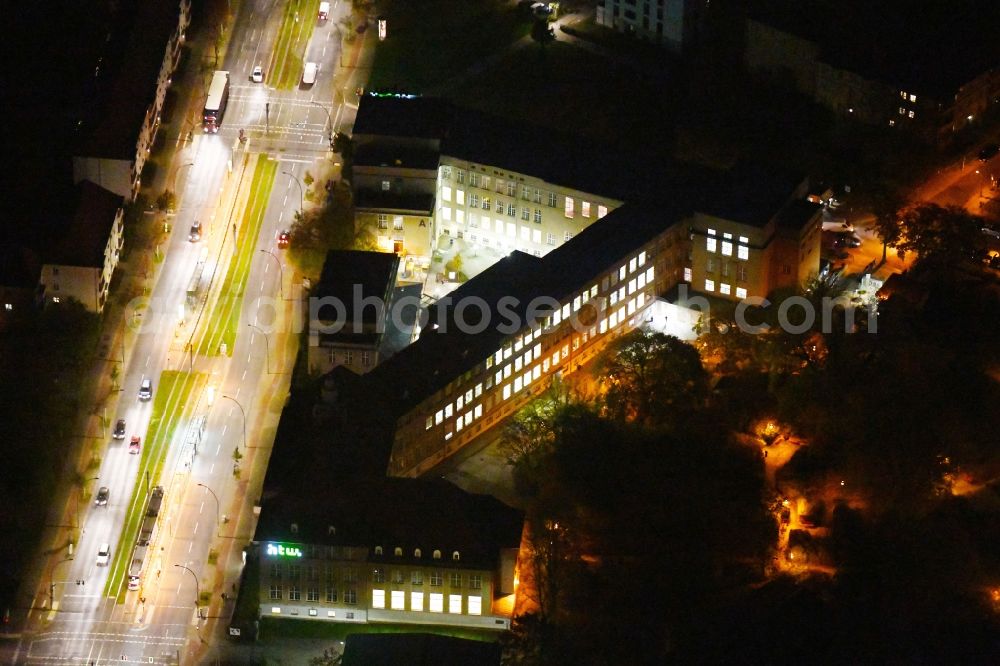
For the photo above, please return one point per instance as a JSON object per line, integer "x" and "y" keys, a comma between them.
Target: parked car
{"x": 104, "y": 555}
{"x": 119, "y": 431}
{"x": 102, "y": 496}
{"x": 839, "y": 225}
{"x": 988, "y": 152}
{"x": 135, "y": 444}
{"x": 257, "y": 75}
{"x": 283, "y": 238}
{"x": 847, "y": 240}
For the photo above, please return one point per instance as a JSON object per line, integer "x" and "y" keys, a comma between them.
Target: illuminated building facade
{"x": 389, "y": 550}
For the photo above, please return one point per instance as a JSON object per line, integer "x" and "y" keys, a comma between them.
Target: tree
{"x": 330, "y": 657}
{"x": 942, "y": 235}
{"x": 648, "y": 377}
{"x": 886, "y": 206}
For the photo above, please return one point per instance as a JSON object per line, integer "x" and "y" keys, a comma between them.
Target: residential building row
{"x": 674, "y": 24}
{"x": 132, "y": 79}
{"x": 884, "y": 63}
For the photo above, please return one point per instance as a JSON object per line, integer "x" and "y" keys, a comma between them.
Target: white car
{"x": 309, "y": 73}
{"x": 257, "y": 76}
{"x": 104, "y": 555}
{"x": 839, "y": 225}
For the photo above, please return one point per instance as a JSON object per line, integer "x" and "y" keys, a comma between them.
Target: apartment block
{"x": 144, "y": 49}
{"x": 84, "y": 260}
{"x": 670, "y": 23}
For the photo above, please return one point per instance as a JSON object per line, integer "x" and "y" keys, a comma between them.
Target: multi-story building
{"x": 741, "y": 247}
{"x": 144, "y": 48}
{"x": 426, "y": 173}
{"x": 348, "y": 308}
{"x": 85, "y": 258}
{"x": 671, "y": 23}
{"x": 388, "y": 550}
{"x": 19, "y": 271}
{"x": 881, "y": 63}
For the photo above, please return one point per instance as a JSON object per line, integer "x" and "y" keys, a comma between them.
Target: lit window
{"x": 525, "y": 234}
{"x": 479, "y": 390}
{"x": 911, "y": 114}
{"x": 506, "y": 392}
{"x": 460, "y": 197}
{"x": 478, "y": 411}
{"x": 642, "y": 258}
{"x": 276, "y": 610}
{"x": 727, "y": 248}
{"x": 430, "y": 423}
{"x": 741, "y": 292}
{"x": 8, "y": 306}
{"x": 902, "y": 94}
{"x": 710, "y": 244}
{"x": 438, "y": 417}
{"x": 475, "y": 605}
{"x": 601, "y": 211}
{"x": 709, "y": 285}
{"x": 446, "y": 173}
{"x": 448, "y": 411}
{"x": 517, "y": 384}
{"x": 902, "y": 111}
{"x": 913, "y": 98}
{"x": 687, "y": 274}
{"x": 538, "y": 216}
{"x": 536, "y": 236}
{"x": 585, "y": 208}
{"x": 416, "y": 601}
{"x": 446, "y": 193}
{"x": 892, "y": 123}
{"x": 568, "y": 209}
{"x": 724, "y": 289}
{"x": 744, "y": 240}
{"x": 385, "y": 186}
{"x": 398, "y": 600}
{"x": 436, "y": 603}
{"x": 649, "y": 274}
{"x": 378, "y": 598}
{"x": 632, "y": 264}
{"x": 455, "y": 603}
{"x": 446, "y": 213}
{"x": 459, "y": 217}
{"x": 511, "y": 229}
{"x": 743, "y": 252}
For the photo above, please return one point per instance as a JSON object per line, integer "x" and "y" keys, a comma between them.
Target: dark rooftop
{"x": 424, "y": 117}
{"x": 90, "y": 228}
{"x": 352, "y": 275}
{"x": 403, "y": 157}
{"x": 517, "y": 146}
{"x": 126, "y": 86}
{"x": 930, "y": 47}
{"x": 19, "y": 267}
{"x": 749, "y": 194}
{"x": 418, "y": 650}
{"x": 796, "y": 213}
{"x": 395, "y": 512}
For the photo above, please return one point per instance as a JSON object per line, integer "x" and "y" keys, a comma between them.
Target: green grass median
{"x": 223, "y": 323}
{"x": 297, "y": 25}
{"x": 173, "y": 393}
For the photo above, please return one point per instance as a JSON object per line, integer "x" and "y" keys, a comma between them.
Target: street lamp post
{"x": 218, "y": 507}
{"x": 302, "y": 196}
{"x": 177, "y": 170}
{"x": 281, "y": 274}
{"x": 329, "y": 122}
{"x": 52, "y": 581}
{"x": 244, "y": 418}
{"x": 197, "y": 585}
{"x": 267, "y": 347}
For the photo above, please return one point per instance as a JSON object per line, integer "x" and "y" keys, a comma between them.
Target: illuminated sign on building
{"x": 381, "y": 30}
{"x": 281, "y": 550}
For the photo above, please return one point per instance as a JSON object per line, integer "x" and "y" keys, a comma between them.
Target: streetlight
{"x": 197, "y": 585}
{"x": 281, "y": 274}
{"x": 302, "y": 196}
{"x": 52, "y": 582}
{"x": 329, "y": 122}
{"x": 267, "y": 347}
{"x": 244, "y": 418}
{"x": 177, "y": 170}
{"x": 218, "y": 508}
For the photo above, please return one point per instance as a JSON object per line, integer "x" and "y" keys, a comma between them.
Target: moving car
{"x": 283, "y": 238}
{"x": 146, "y": 390}
{"x": 102, "y": 496}
{"x": 135, "y": 444}
{"x": 195, "y": 234}
{"x": 309, "y": 73}
{"x": 103, "y": 554}
{"x": 119, "y": 432}
{"x": 257, "y": 76}
{"x": 324, "y": 11}
{"x": 988, "y": 152}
